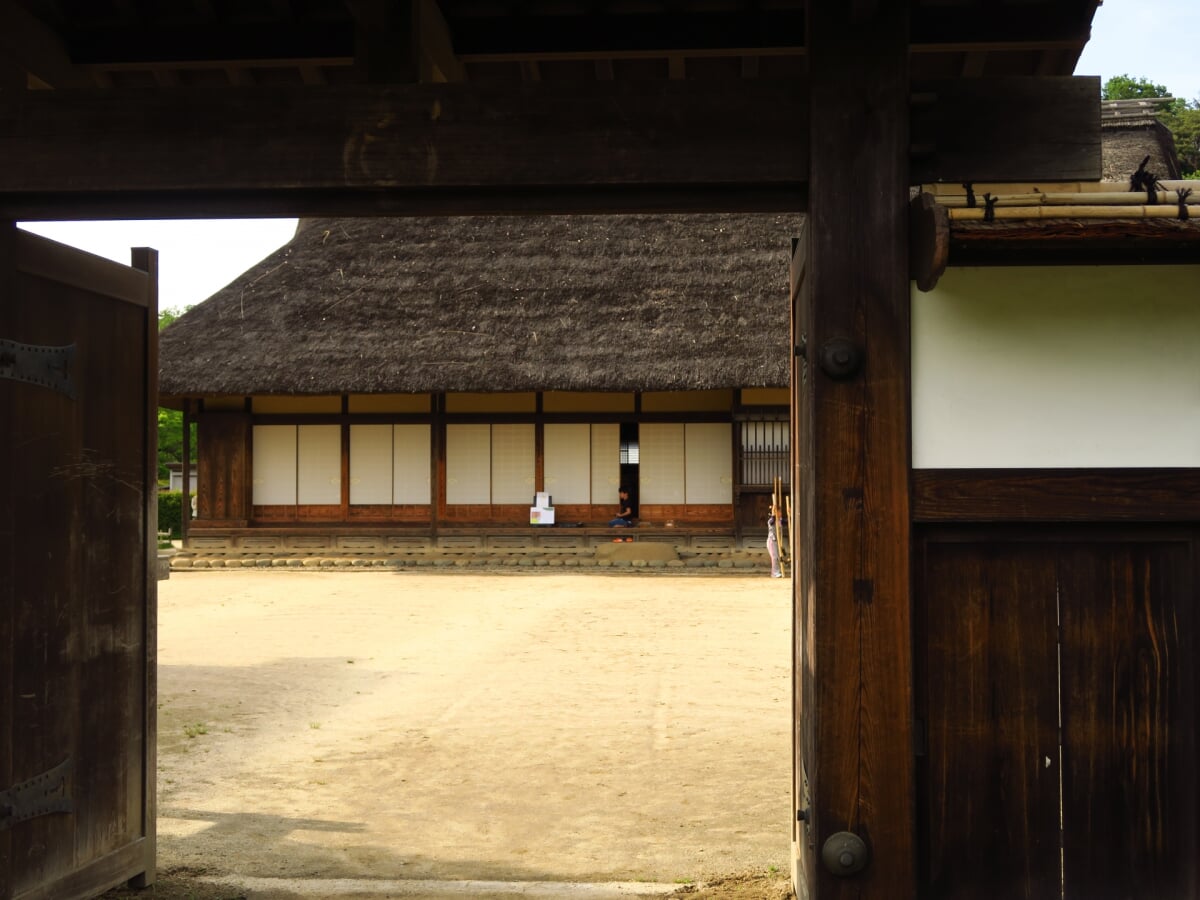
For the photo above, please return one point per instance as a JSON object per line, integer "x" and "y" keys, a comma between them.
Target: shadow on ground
{"x": 190, "y": 884}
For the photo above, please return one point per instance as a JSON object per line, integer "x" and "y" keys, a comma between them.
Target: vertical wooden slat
{"x": 987, "y": 692}
{"x": 58, "y": 467}
{"x": 7, "y": 566}
{"x": 146, "y": 260}
{"x": 856, "y": 287}
{"x": 804, "y": 873}
{"x": 1129, "y": 730}
{"x": 114, "y": 531}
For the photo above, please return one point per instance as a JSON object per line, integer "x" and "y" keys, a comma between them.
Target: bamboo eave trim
{"x": 945, "y": 190}
{"x": 977, "y": 214}
{"x": 1127, "y": 198}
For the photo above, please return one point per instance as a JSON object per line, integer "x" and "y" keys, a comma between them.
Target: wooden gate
{"x": 1055, "y": 692}
{"x": 78, "y": 399}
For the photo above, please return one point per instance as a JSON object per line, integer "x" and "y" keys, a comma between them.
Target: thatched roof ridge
{"x": 606, "y": 303}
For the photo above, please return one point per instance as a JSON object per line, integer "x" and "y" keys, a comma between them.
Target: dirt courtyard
{"x": 371, "y": 734}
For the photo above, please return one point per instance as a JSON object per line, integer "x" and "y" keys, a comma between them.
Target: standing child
{"x": 773, "y": 541}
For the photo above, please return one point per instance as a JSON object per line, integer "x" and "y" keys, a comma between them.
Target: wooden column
{"x": 185, "y": 509}
{"x": 854, "y": 644}
{"x": 437, "y": 461}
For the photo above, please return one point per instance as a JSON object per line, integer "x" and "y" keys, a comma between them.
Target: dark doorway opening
{"x": 630, "y": 457}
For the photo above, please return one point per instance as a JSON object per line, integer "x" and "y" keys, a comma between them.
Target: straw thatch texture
{"x": 1129, "y": 133}
{"x": 606, "y": 303}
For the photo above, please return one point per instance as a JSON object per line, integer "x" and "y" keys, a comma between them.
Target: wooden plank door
{"x": 78, "y": 376}
{"x": 1130, "y": 804}
{"x": 1056, "y": 683}
{"x": 986, "y": 692}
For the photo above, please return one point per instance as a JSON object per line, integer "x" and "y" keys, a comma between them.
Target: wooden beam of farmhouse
{"x": 466, "y": 148}
{"x": 393, "y": 150}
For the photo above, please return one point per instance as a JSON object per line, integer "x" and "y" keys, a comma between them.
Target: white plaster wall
{"x": 370, "y": 464}
{"x": 1057, "y": 367}
{"x": 606, "y": 463}
{"x": 468, "y": 464}
{"x": 411, "y": 455}
{"x": 514, "y": 464}
{"x": 274, "y": 466}
{"x": 661, "y": 470}
{"x": 568, "y": 462}
{"x": 708, "y": 466}
{"x": 319, "y": 464}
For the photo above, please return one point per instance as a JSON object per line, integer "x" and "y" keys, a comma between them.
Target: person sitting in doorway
{"x": 624, "y": 517}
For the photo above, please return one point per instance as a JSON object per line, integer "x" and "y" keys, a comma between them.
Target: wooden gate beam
{"x": 428, "y": 149}
{"x": 854, "y": 642}
{"x": 405, "y": 149}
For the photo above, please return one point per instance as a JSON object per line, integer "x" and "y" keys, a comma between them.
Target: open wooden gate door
{"x": 78, "y": 398}
{"x": 1056, "y": 679}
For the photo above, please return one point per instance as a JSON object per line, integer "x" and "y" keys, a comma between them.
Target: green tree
{"x": 1182, "y": 117}
{"x": 1126, "y": 87}
{"x": 170, "y": 421}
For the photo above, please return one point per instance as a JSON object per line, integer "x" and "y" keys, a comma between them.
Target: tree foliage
{"x": 169, "y": 315}
{"x": 1126, "y": 87}
{"x": 170, "y": 512}
{"x": 170, "y": 421}
{"x": 1184, "y": 121}
{"x": 1182, "y": 117}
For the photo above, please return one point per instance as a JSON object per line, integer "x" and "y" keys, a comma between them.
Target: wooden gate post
{"x": 8, "y": 598}
{"x": 851, "y": 405}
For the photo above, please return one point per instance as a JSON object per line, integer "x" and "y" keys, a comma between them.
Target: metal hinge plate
{"x": 39, "y": 796}
{"x": 49, "y": 367}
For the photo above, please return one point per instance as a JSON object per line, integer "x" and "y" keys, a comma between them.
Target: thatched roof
{"x": 606, "y": 303}
{"x": 1129, "y": 133}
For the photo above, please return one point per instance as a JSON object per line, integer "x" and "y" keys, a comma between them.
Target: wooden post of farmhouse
{"x": 185, "y": 502}
{"x": 854, "y": 657}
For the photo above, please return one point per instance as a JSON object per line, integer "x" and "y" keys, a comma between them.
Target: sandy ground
{"x": 399, "y": 734}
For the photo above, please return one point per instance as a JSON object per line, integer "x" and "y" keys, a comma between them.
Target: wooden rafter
{"x": 404, "y": 41}
{"x": 29, "y": 44}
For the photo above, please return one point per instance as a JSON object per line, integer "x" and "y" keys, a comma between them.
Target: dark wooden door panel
{"x": 1128, "y": 679}
{"x": 987, "y": 693}
{"x": 1014, "y": 625}
{"x": 224, "y": 468}
{"x": 79, "y": 597}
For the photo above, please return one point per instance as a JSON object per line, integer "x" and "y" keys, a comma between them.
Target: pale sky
{"x": 196, "y": 258}
{"x": 1142, "y": 38}
{"x": 1149, "y": 39}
